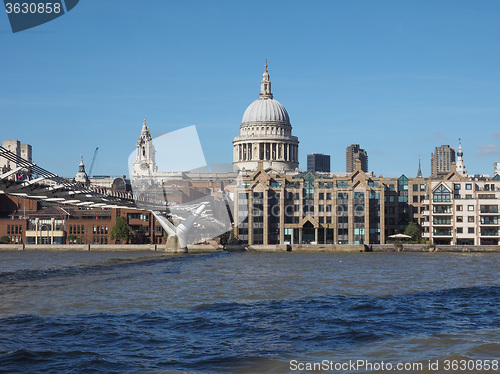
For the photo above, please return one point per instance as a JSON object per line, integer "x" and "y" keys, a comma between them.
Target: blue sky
{"x": 397, "y": 77}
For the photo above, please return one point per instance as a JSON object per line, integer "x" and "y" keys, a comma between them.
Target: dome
{"x": 265, "y": 110}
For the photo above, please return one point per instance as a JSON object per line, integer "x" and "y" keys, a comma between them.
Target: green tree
{"x": 4, "y": 240}
{"x": 120, "y": 230}
{"x": 414, "y": 230}
{"x": 71, "y": 239}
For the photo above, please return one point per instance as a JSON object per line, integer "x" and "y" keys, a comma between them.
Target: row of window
{"x": 14, "y": 229}
{"x": 100, "y": 229}
{"x": 76, "y": 229}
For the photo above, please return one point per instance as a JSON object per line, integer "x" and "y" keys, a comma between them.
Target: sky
{"x": 397, "y": 77}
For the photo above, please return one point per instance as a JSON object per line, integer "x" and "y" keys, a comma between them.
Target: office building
{"x": 318, "y": 162}
{"x": 15, "y": 146}
{"x": 441, "y": 160}
{"x": 353, "y": 153}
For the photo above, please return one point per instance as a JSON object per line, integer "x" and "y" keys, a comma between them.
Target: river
{"x": 247, "y": 312}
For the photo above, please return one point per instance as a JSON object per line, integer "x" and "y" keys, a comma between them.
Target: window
{"x": 403, "y": 183}
{"x": 415, "y": 199}
{"x": 321, "y": 219}
{"x": 441, "y": 194}
{"x": 471, "y": 230}
{"x": 328, "y": 195}
{"x": 468, "y": 196}
{"x": 359, "y": 195}
{"x": 328, "y": 219}
{"x": 460, "y": 208}
{"x": 456, "y": 186}
{"x": 321, "y": 196}
{"x": 415, "y": 187}
{"x": 422, "y": 187}
{"x": 470, "y": 219}
{"x": 468, "y": 186}
{"x": 470, "y": 208}
{"x": 460, "y": 219}
{"x": 460, "y": 230}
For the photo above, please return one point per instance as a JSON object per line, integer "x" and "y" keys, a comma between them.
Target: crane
{"x": 93, "y": 161}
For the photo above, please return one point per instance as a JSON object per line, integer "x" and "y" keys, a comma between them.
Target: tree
{"x": 414, "y": 230}
{"x": 120, "y": 230}
{"x": 4, "y": 240}
{"x": 71, "y": 239}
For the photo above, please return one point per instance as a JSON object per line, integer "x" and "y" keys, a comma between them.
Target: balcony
{"x": 489, "y": 232}
{"x": 442, "y": 232}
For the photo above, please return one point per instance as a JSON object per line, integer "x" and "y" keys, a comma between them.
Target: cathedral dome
{"x": 265, "y": 110}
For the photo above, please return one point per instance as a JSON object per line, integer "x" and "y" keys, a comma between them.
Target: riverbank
{"x": 252, "y": 248}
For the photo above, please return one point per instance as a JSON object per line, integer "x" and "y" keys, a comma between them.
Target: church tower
{"x": 81, "y": 176}
{"x": 460, "y": 160}
{"x": 145, "y": 164}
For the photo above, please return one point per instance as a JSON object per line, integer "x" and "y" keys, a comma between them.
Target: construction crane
{"x": 93, "y": 161}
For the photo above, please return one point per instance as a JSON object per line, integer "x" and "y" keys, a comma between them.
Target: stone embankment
{"x": 253, "y": 248}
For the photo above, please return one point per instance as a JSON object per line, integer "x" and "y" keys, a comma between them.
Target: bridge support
{"x": 176, "y": 241}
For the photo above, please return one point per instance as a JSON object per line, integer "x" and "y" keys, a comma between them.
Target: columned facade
{"x": 266, "y": 135}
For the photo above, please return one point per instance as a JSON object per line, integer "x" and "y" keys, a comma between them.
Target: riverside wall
{"x": 253, "y": 248}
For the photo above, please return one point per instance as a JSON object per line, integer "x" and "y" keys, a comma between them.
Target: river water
{"x": 247, "y": 312}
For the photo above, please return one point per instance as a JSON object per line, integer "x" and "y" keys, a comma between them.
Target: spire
{"x": 265, "y": 85}
{"x": 81, "y": 167}
{"x": 81, "y": 176}
{"x": 460, "y": 161}
{"x": 419, "y": 172}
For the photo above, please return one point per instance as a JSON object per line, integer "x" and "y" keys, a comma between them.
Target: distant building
{"x": 441, "y": 160}
{"x": 15, "y": 146}
{"x": 496, "y": 168}
{"x": 460, "y": 161}
{"x": 353, "y": 153}
{"x": 81, "y": 176}
{"x": 318, "y": 162}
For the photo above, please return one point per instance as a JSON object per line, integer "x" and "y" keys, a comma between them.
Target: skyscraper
{"x": 318, "y": 162}
{"x": 441, "y": 160}
{"x": 353, "y": 153}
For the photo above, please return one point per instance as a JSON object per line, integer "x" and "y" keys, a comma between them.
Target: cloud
{"x": 488, "y": 149}
{"x": 496, "y": 135}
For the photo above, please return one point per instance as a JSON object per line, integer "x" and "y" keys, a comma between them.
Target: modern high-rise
{"x": 441, "y": 160}
{"x": 353, "y": 153}
{"x": 318, "y": 162}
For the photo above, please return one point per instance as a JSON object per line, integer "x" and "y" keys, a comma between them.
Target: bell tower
{"x": 145, "y": 164}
